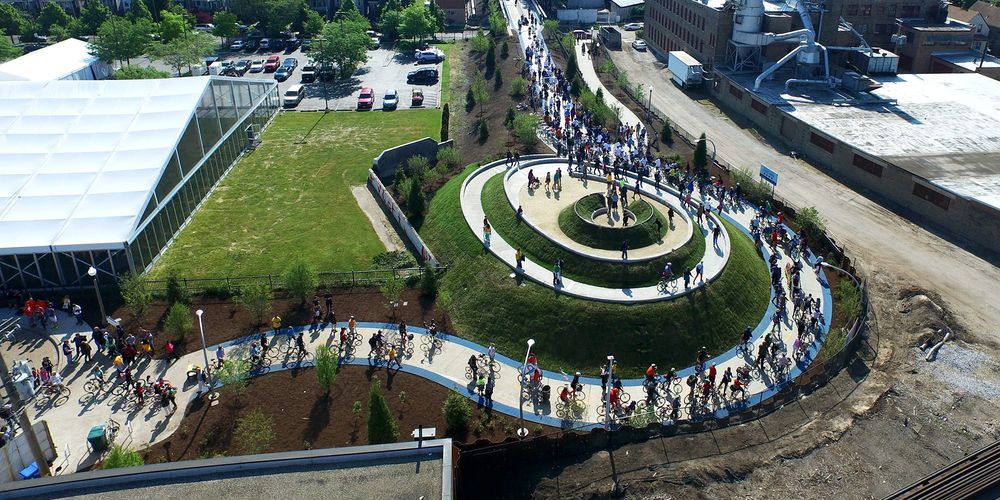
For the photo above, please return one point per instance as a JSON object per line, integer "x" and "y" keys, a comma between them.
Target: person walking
{"x": 699, "y": 271}
{"x": 220, "y": 356}
{"x": 624, "y": 248}
{"x": 276, "y": 323}
{"x": 301, "y": 344}
{"x": 78, "y": 313}
{"x": 487, "y": 231}
{"x": 716, "y": 231}
{"x": 519, "y": 258}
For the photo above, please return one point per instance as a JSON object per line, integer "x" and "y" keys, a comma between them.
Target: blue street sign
{"x": 769, "y": 176}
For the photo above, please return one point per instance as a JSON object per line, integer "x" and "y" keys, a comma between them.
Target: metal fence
{"x": 231, "y": 284}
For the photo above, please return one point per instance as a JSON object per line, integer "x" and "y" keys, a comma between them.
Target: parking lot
{"x": 385, "y": 69}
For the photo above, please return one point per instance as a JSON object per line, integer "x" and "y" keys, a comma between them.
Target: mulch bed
{"x": 304, "y": 418}
{"x": 225, "y": 320}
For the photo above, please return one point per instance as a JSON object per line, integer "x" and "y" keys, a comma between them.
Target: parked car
{"x": 375, "y": 43}
{"x": 283, "y": 73}
{"x": 290, "y": 61}
{"x": 639, "y": 44}
{"x": 251, "y": 45}
{"x": 428, "y": 56}
{"x": 417, "y": 98}
{"x": 306, "y": 45}
{"x": 257, "y": 66}
{"x": 272, "y": 64}
{"x": 426, "y": 75}
{"x": 277, "y": 44}
{"x": 292, "y": 43}
{"x": 293, "y": 96}
{"x": 581, "y": 34}
{"x": 236, "y": 45}
{"x": 265, "y": 44}
{"x": 242, "y": 66}
{"x": 309, "y": 72}
{"x": 632, "y": 27}
{"x": 390, "y": 100}
{"x": 366, "y": 99}
{"x": 204, "y": 27}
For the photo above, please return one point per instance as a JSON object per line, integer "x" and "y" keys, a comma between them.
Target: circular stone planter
{"x": 582, "y": 222}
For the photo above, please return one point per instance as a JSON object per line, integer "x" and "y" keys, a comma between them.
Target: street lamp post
{"x": 92, "y": 272}
{"x": 204, "y": 348}
{"x": 607, "y": 391}
{"x": 523, "y": 431}
{"x": 649, "y": 103}
{"x": 326, "y": 98}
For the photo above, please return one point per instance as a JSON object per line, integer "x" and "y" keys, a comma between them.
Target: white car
{"x": 639, "y": 45}
{"x": 433, "y": 55}
{"x": 237, "y": 45}
{"x": 257, "y": 66}
{"x": 632, "y": 27}
{"x": 390, "y": 100}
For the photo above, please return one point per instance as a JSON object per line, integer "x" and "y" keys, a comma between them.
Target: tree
{"x": 12, "y": 20}
{"x": 572, "y": 66}
{"x": 504, "y": 50}
{"x": 233, "y": 376}
{"x": 415, "y": 198}
{"x": 52, "y": 15}
{"x": 59, "y": 33}
{"x": 667, "y": 136}
{"x": 255, "y": 297}
{"x": 173, "y": 26}
{"x": 134, "y": 288}
{"x": 809, "y": 218}
{"x": 381, "y": 425}
{"x": 119, "y": 39}
{"x": 345, "y": 44}
{"x": 550, "y": 27}
{"x": 484, "y": 131}
{"x": 700, "y": 158}
{"x": 7, "y": 49}
{"x": 480, "y": 44}
{"x": 470, "y": 100}
{"x": 312, "y": 22}
{"x": 139, "y": 73}
{"x": 392, "y": 289}
{"x": 517, "y": 86}
{"x": 120, "y": 457}
{"x": 416, "y": 22}
{"x": 479, "y": 91}
{"x": 138, "y": 11}
{"x": 456, "y": 412}
{"x": 178, "y": 321}
{"x": 437, "y": 15}
{"x": 326, "y": 367}
{"x": 348, "y": 11}
{"x": 185, "y": 50}
{"x": 498, "y": 23}
{"x": 491, "y": 58}
{"x": 300, "y": 279}
{"x": 254, "y": 432}
{"x": 445, "y": 119}
{"x": 526, "y": 128}
{"x": 226, "y": 25}
{"x": 508, "y": 120}
{"x": 93, "y": 16}
{"x": 428, "y": 283}
{"x": 498, "y": 81}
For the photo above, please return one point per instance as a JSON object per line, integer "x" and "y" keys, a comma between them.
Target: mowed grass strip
{"x": 292, "y": 197}
{"x": 488, "y": 306}
{"x": 542, "y": 251}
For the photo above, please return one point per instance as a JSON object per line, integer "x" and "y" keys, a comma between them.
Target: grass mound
{"x": 542, "y": 251}
{"x": 572, "y": 334}
{"x": 641, "y": 233}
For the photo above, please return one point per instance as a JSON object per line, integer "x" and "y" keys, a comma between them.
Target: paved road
{"x": 885, "y": 242}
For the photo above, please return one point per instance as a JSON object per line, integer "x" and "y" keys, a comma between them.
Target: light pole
{"x": 649, "y": 103}
{"x": 607, "y": 400}
{"x": 323, "y": 63}
{"x": 100, "y": 302}
{"x": 523, "y": 431}
{"x": 204, "y": 348}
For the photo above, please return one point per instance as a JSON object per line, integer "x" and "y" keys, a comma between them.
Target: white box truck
{"x": 685, "y": 70}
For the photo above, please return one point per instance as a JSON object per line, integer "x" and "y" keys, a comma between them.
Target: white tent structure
{"x": 104, "y": 173}
{"x": 69, "y": 59}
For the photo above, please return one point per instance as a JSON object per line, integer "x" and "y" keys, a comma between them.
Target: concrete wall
{"x": 16, "y": 454}
{"x": 582, "y": 16}
{"x": 399, "y": 220}
{"x": 390, "y": 160}
{"x": 967, "y": 219}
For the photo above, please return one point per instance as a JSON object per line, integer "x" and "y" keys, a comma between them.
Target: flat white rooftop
{"x": 969, "y": 60}
{"x": 54, "y": 62}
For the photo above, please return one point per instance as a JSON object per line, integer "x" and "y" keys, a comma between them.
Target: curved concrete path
{"x": 542, "y": 210}
{"x": 716, "y": 253}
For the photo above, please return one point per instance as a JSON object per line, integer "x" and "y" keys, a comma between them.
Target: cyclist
{"x": 432, "y": 329}
{"x": 745, "y": 339}
{"x": 575, "y": 384}
{"x": 651, "y": 372}
{"x": 564, "y": 395}
{"x": 276, "y": 323}
{"x": 782, "y": 364}
{"x": 691, "y": 382}
{"x": 98, "y": 375}
{"x": 55, "y": 382}
{"x": 472, "y": 365}
{"x": 702, "y": 358}
{"x": 738, "y": 387}
{"x": 376, "y": 341}
{"x": 343, "y": 337}
{"x": 727, "y": 377}
{"x": 353, "y": 325}
{"x": 264, "y": 347}
{"x": 614, "y": 398}
{"x": 140, "y": 390}
{"x": 492, "y": 353}
{"x": 220, "y": 355}
{"x": 255, "y": 352}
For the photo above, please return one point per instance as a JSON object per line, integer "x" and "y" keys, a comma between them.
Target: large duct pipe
{"x": 767, "y": 72}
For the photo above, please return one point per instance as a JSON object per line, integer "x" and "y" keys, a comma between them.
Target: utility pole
{"x": 23, "y": 420}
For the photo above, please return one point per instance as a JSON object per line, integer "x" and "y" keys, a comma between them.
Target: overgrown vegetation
{"x": 254, "y": 432}
{"x": 120, "y": 457}
{"x": 456, "y": 411}
{"x": 178, "y": 321}
{"x": 381, "y": 424}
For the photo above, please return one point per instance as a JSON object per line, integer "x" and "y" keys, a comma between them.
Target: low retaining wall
{"x": 399, "y": 219}
{"x": 390, "y": 160}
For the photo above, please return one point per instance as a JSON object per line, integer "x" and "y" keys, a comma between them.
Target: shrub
{"x": 667, "y": 135}
{"x": 326, "y": 367}
{"x": 415, "y": 203}
{"x": 491, "y": 58}
{"x": 752, "y": 189}
{"x": 622, "y": 81}
{"x": 392, "y": 288}
{"x": 428, "y": 283}
{"x": 445, "y": 121}
{"x": 498, "y": 81}
{"x": 480, "y": 44}
{"x": 381, "y": 426}
{"x": 396, "y": 259}
{"x": 525, "y": 128}
{"x": 508, "y": 121}
{"x": 175, "y": 292}
{"x": 572, "y": 67}
{"x": 417, "y": 165}
{"x": 700, "y": 158}
{"x": 484, "y": 131}
{"x": 255, "y": 297}
{"x": 577, "y": 86}
{"x": 120, "y": 457}
{"x": 254, "y": 432}
{"x": 517, "y": 86}
{"x": 178, "y": 321}
{"x": 223, "y": 291}
{"x": 470, "y": 100}
{"x": 448, "y": 156}
{"x": 234, "y": 376}
{"x": 504, "y": 50}
{"x": 300, "y": 279}
{"x": 848, "y": 299}
{"x": 808, "y": 218}
{"x": 134, "y": 289}
{"x": 456, "y": 411}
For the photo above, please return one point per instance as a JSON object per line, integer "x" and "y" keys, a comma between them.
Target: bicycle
{"x": 487, "y": 364}
{"x": 93, "y": 386}
{"x": 431, "y": 344}
{"x": 666, "y": 285}
{"x": 55, "y": 396}
{"x": 573, "y": 409}
{"x": 670, "y": 387}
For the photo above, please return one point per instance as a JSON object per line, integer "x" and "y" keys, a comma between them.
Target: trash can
{"x": 546, "y": 391}
{"x": 98, "y": 438}
{"x": 30, "y": 472}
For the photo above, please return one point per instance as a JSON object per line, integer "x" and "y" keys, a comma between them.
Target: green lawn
{"x": 639, "y": 234}
{"x": 571, "y": 334}
{"x": 292, "y": 197}
{"x": 542, "y": 251}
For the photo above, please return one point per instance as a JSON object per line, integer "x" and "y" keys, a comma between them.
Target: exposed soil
{"x": 225, "y": 320}
{"x": 309, "y": 419}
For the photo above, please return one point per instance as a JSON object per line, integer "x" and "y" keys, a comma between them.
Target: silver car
{"x": 390, "y": 100}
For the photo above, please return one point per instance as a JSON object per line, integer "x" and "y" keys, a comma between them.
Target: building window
{"x": 910, "y": 11}
{"x": 892, "y": 10}
{"x": 823, "y": 143}
{"x": 881, "y": 29}
{"x": 758, "y": 106}
{"x": 735, "y": 91}
{"x": 866, "y": 10}
{"x": 867, "y": 165}
{"x": 852, "y": 9}
{"x": 926, "y": 193}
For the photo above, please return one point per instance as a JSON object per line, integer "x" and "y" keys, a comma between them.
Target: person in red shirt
{"x": 711, "y": 374}
{"x": 651, "y": 372}
{"x": 614, "y": 397}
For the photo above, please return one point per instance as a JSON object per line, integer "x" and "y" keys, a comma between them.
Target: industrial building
{"x": 105, "y": 173}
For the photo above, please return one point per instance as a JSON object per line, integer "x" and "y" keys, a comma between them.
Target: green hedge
{"x": 595, "y": 235}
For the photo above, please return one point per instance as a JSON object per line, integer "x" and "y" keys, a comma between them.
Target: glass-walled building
{"x": 105, "y": 173}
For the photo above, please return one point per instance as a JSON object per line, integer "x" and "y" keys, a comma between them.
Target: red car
{"x": 366, "y": 99}
{"x": 271, "y": 64}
